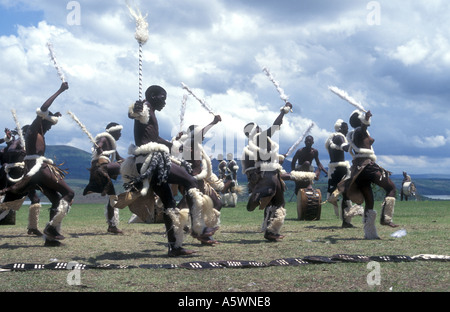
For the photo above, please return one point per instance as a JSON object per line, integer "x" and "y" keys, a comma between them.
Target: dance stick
{"x": 344, "y": 95}
{"x": 55, "y": 62}
{"x": 283, "y": 96}
{"x": 202, "y": 102}
{"x": 297, "y": 143}
{"x": 19, "y": 128}
{"x": 182, "y": 111}
{"x": 141, "y": 35}
{"x": 83, "y": 127}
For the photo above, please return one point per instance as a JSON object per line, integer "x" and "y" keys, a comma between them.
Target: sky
{"x": 391, "y": 56}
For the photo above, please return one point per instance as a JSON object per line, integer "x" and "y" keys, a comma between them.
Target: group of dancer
{"x": 262, "y": 163}
{"x": 163, "y": 168}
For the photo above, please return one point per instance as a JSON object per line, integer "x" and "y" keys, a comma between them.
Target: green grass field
{"x": 427, "y": 224}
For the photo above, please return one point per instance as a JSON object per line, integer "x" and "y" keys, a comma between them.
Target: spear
{"x": 141, "y": 35}
{"x": 297, "y": 143}
{"x": 344, "y": 95}
{"x": 202, "y": 102}
{"x": 55, "y": 62}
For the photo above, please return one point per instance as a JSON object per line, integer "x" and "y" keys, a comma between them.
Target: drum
{"x": 309, "y": 204}
{"x": 408, "y": 188}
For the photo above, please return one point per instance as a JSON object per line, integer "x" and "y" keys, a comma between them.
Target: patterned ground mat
{"x": 197, "y": 265}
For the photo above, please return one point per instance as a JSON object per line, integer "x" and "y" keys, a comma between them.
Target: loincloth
{"x": 99, "y": 180}
{"x": 362, "y": 172}
{"x": 37, "y": 163}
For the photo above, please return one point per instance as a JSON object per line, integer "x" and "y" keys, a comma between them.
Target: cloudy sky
{"x": 392, "y": 56}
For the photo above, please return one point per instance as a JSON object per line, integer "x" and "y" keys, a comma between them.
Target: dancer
{"x": 408, "y": 187}
{"x": 153, "y": 168}
{"x": 338, "y": 169}
{"x": 42, "y": 173}
{"x": 364, "y": 172}
{"x": 12, "y": 171}
{"x": 261, "y": 164}
{"x": 207, "y": 181}
{"x": 304, "y": 157}
{"x": 228, "y": 171}
{"x": 105, "y": 167}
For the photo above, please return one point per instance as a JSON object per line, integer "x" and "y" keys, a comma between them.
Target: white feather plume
{"x": 202, "y": 102}
{"x": 297, "y": 143}
{"x": 344, "y": 95}
{"x": 183, "y": 111}
{"x": 19, "y": 128}
{"x": 83, "y": 127}
{"x": 55, "y": 62}
{"x": 283, "y": 96}
{"x": 141, "y": 33}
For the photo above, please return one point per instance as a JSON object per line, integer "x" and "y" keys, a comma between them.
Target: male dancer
{"x": 304, "y": 157}
{"x": 406, "y": 179}
{"x": 228, "y": 170}
{"x": 155, "y": 169}
{"x": 338, "y": 168}
{"x": 12, "y": 171}
{"x": 207, "y": 182}
{"x": 364, "y": 172}
{"x": 42, "y": 173}
{"x": 261, "y": 163}
{"x": 105, "y": 166}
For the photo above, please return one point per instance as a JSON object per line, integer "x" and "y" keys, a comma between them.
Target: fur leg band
{"x": 61, "y": 212}
{"x": 387, "y": 211}
{"x": 370, "y": 231}
{"x": 198, "y": 223}
{"x": 274, "y": 219}
{"x": 33, "y": 216}
{"x": 111, "y": 213}
{"x": 180, "y": 222}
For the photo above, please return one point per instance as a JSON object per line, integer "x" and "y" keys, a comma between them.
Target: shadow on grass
{"x": 120, "y": 256}
{"x": 12, "y": 247}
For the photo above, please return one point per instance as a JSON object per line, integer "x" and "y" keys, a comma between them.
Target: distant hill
{"x": 77, "y": 163}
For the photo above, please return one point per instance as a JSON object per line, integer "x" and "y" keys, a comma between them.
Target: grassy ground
{"x": 427, "y": 224}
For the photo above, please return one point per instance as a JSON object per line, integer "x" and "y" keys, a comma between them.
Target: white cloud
{"x": 432, "y": 142}
{"x": 414, "y": 164}
{"x": 413, "y": 52}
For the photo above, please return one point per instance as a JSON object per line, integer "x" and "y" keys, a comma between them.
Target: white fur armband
{"x": 175, "y": 149}
{"x": 7, "y": 140}
{"x": 45, "y": 115}
{"x": 143, "y": 117}
{"x": 285, "y": 109}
